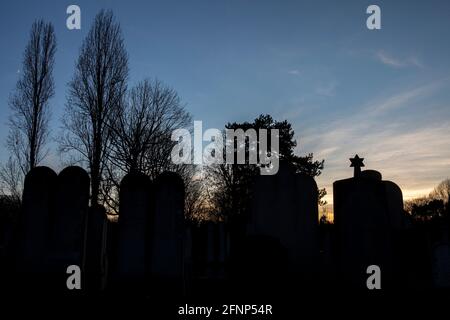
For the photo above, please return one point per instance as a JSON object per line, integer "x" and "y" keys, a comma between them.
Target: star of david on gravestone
{"x": 356, "y": 163}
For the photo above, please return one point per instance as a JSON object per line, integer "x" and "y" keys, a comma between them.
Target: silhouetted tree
{"x": 231, "y": 184}
{"x": 11, "y": 181}
{"x": 432, "y": 207}
{"x": 95, "y": 94}
{"x": 442, "y": 191}
{"x": 9, "y": 212}
{"x": 229, "y": 188}
{"x": 29, "y": 103}
{"x": 141, "y": 137}
{"x": 196, "y": 201}
{"x": 429, "y": 210}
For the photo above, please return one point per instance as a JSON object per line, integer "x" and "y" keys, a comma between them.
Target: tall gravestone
{"x": 168, "y": 233}
{"x": 33, "y": 237}
{"x": 9, "y": 211}
{"x": 285, "y": 210}
{"x": 368, "y": 213}
{"x": 199, "y": 240}
{"x": 209, "y": 249}
{"x": 216, "y": 249}
{"x": 133, "y": 250}
{"x": 441, "y": 265}
{"x": 69, "y": 223}
{"x": 95, "y": 258}
{"x": 3, "y": 241}
{"x": 440, "y": 259}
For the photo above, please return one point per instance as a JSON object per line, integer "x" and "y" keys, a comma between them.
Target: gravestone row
{"x": 57, "y": 228}
{"x": 152, "y": 248}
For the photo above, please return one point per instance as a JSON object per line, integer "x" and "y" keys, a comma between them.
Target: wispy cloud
{"x": 414, "y": 153}
{"x": 401, "y": 99}
{"x": 294, "y": 72}
{"x": 327, "y": 90}
{"x": 390, "y": 60}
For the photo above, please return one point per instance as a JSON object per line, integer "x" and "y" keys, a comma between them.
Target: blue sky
{"x": 383, "y": 94}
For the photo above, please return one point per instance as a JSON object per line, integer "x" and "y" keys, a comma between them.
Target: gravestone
{"x": 368, "y": 213}
{"x": 216, "y": 249}
{"x": 168, "y": 233}
{"x": 32, "y": 250}
{"x": 285, "y": 209}
{"x": 95, "y": 259}
{"x": 112, "y": 280}
{"x": 36, "y": 216}
{"x": 209, "y": 249}
{"x": 441, "y": 260}
{"x": 69, "y": 223}
{"x": 9, "y": 212}
{"x": 441, "y": 265}
{"x": 133, "y": 231}
{"x": 199, "y": 236}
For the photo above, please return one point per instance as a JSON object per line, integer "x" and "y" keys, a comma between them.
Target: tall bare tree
{"x": 95, "y": 95}
{"x": 29, "y": 102}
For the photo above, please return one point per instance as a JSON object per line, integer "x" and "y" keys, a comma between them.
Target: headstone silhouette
{"x": 209, "y": 249}
{"x": 96, "y": 260}
{"x": 441, "y": 265}
{"x": 9, "y": 211}
{"x": 168, "y": 232}
{"x": 368, "y": 213}
{"x": 69, "y": 224}
{"x": 35, "y": 220}
{"x": 216, "y": 249}
{"x": 285, "y": 209}
{"x": 133, "y": 234}
{"x": 199, "y": 243}
{"x": 440, "y": 258}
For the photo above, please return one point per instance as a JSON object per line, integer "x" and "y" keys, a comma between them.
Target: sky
{"x": 384, "y": 94}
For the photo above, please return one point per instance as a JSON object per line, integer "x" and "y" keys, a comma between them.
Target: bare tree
{"x": 143, "y": 128}
{"x": 11, "y": 180}
{"x": 141, "y": 135}
{"x": 229, "y": 188}
{"x": 199, "y": 204}
{"x": 95, "y": 95}
{"x": 29, "y": 103}
{"x": 442, "y": 191}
